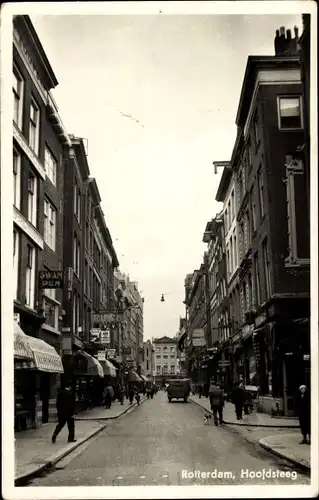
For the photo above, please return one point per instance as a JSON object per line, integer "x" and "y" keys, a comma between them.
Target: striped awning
{"x": 133, "y": 377}
{"x": 108, "y": 368}
{"x": 36, "y": 353}
{"x": 144, "y": 378}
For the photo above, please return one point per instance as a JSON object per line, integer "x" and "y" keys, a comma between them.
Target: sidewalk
{"x": 261, "y": 430}
{"x": 253, "y": 419}
{"x": 286, "y": 446}
{"x": 101, "y": 413}
{"x": 34, "y": 451}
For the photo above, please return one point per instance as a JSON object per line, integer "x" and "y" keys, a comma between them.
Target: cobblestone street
{"x": 156, "y": 443}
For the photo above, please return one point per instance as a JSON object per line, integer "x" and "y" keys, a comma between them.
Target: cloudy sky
{"x": 180, "y": 77}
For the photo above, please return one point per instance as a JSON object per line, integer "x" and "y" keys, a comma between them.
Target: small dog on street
{"x": 207, "y": 419}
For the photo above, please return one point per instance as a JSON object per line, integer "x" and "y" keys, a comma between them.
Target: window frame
{"x": 16, "y": 259}
{"x": 266, "y": 266}
{"x": 30, "y": 277}
{"x": 51, "y": 173}
{"x": 20, "y": 96}
{"x": 49, "y": 234}
{"x": 32, "y": 199}
{"x": 279, "y": 117}
{"x": 16, "y": 179}
{"x": 35, "y": 125}
{"x": 261, "y": 191}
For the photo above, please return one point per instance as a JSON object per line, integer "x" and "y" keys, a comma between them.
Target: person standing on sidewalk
{"x": 303, "y": 408}
{"x": 216, "y": 396}
{"x": 65, "y": 409}
{"x": 238, "y": 398}
{"x": 108, "y": 396}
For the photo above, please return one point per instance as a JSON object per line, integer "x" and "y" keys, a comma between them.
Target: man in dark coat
{"x": 216, "y": 396}
{"x": 303, "y": 409}
{"x": 238, "y": 398}
{"x": 65, "y": 409}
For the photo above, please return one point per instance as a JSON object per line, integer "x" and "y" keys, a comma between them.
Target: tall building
{"x": 165, "y": 358}
{"x": 39, "y": 145}
{"x": 271, "y": 351}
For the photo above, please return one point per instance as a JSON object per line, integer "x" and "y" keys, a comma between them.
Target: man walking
{"x": 303, "y": 409}
{"x": 216, "y": 396}
{"x": 238, "y": 398}
{"x": 65, "y": 409}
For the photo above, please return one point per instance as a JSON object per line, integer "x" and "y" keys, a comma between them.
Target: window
{"x": 165, "y": 370}
{"x": 235, "y": 251}
{"x": 165, "y": 356}
{"x": 261, "y": 192}
{"x": 49, "y": 224}
{"x": 231, "y": 263}
{"x": 34, "y": 126}
{"x": 289, "y": 110}
{"x": 158, "y": 356}
{"x": 16, "y": 260}
{"x": 76, "y": 255}
{"x": 226, "y": 221}
{"x": 17, "y": 88}
{"x": 228, "y": 262}
{"x": 257, "y": 279}
{"x": 172, "y": 349}
{"x": 232, "y": 205}
{"x": 229, "y": 215}
{"x": 32, "y": 199}
{"x": 16, "y": 179}
{"x": 172, "y": 369}
{"x": 50, "y": 165}
{"x": 256, "y": 130}
{"x": 77, "y": 202}
{"x": 147, "y": 366}
{"x": 51, "y": 308}
{"x": 253, "y": 209}
{"x": 173, "y": 356}
{"x": 158, "y": 370}
{"x": 266, "y": 268}
{"x": 249, "y": 160}
{"x": 30, "y": 277}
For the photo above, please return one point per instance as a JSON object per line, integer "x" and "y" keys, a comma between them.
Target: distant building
{"x": 148, "y": 364}
{"x": 165, "y": 358}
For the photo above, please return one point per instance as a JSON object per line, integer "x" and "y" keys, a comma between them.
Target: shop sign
{"x": 223, "y": 363}
{"x": 101, "y": 355}
{"x": 198, "y": 337}
{"x": 110, "y": 353}
{"x": 306, "y": 357}
{"x": 95, "y": 334}
{"x": 103, "y": 318}
{"x": 69, "y": 273}
{"x": 105, "y": 337}
{"x": 50, "y": 279}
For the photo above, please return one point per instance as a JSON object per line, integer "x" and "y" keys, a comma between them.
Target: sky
{"x": 180, "y": 77}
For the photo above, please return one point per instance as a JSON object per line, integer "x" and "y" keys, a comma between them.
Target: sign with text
{"x": 51, "y": 279}
{"x": 105, "y": 337}
{"x": 198, "y": 337}
{"x": 101, "y": 355}
{"x": 95, "y": 334}
{"x": 103, "y": 319}
{"x": 110, "y": 353}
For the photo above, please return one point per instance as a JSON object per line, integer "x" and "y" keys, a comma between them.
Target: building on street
{"x": 165, "y": 358}
{"x": 39, "y": 145}
{"x": 148, "y": 364}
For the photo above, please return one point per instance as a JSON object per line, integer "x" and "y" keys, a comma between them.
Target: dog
{"x": 207, "y": 419}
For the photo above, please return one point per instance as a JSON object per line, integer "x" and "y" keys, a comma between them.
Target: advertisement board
{"x": 105, "y": 337}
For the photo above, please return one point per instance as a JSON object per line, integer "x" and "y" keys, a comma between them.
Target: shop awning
{"x": 94, "y": 367}
{"x": 108, "y": 368}
{"x": 133, "y": 377}
{"x": 36, "y": 353}
{"x": 258, "y": 330}
{"x": 144, "y": 378}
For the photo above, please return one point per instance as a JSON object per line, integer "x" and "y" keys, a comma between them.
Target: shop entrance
{"x": 290, "y": 384}
{"x": 45, "y": 395}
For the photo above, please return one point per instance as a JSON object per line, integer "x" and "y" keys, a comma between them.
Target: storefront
{"x": 35, "y": 362}
{"x": 88, "y": 380}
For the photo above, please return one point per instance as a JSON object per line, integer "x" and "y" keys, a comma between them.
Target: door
{"x": 290, "y": 384}
{"x": 45, "y": 395}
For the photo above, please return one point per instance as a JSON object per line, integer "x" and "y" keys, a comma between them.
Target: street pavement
{"x": 168, "y": 444}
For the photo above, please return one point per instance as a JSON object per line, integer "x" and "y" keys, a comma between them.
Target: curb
{"x": 246, "y": 424}
{"x": 53, "y": 460}
{"x": 305, "y": 466}
{"x": 23, "y": 478}
{"x": 113, "y": 416}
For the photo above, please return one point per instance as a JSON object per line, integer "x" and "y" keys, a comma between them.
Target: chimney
{"x": 284, "y": 44}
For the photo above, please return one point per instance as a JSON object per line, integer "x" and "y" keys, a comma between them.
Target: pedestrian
{"x": 121, "y": 393}
{"x": 303, "y": 409}
{"x": 108, "y": 396}
{"x": 137, "y": 395}
{"x": 131, "y": 393}
{"x": 238, "y": 398}
{"x": 200, "y": 391}
{"x": 65, "y": 410}
{"x": 216, "y": 396}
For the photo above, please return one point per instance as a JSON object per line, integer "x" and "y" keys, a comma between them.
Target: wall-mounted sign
{"x": 198, "y": 337}
{"x": 69, "y": 273}
{"x": 95, "y": 334}
{"x": 101, "y": 355}
{"x": 105, "y": 337}
{"x": 103, "y": 318}
{"x": 110, "y": 353}
{"x": 51, "y": 279}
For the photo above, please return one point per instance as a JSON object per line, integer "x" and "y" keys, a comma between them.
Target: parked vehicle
{"x": 178, "y": 389}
